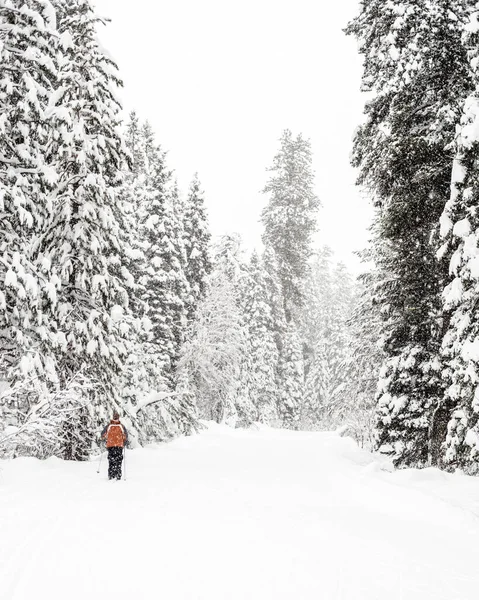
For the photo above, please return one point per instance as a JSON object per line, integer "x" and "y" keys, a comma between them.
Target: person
{"x": 116, "y": 436}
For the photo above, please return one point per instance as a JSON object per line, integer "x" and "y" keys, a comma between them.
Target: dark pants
{"x": 115, "y": 458}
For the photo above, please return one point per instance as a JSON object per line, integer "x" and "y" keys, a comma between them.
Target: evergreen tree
{"x": 132, "y": 197}
{"x": 289, "y": 222}
{"x": 262, "y": 352}
{"x": 181, "y": 284}
{"x": 142, "y": 373}
{"x": 28, "y": 75}
{"x": 458, "y": 418}
{"x": 416, "y": 68}
{"x": 147, "y": 376}
{"x": 289, "y": 217}
{"x": 73, "y": 314}
{"x": 163, "y": 281}
{"x": 291, "y": 377}
{"x": 285, "y": 336}
{"x": 197, "y": 240}
{"x": 82, "y": 242}
{"x": 274, "y": 295}
{"x": 134, "y": 143}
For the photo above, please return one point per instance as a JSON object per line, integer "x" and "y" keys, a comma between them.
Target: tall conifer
{"x": 197, "y": 241}
{"x": 416, "y": 68}
{"x": 459, "y": 422}
{"x": 289, "y": 217}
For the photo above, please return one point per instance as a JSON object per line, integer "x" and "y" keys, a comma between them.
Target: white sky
{"x": 220, "y": 80}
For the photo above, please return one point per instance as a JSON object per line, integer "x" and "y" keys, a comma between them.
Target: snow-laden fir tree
{"x": 146, "y": 381}
{"x": 131, "y": 200}
{"x": 142, "y": 375}
{"x": 460, "y": 227}
{"x": 181, "y": 285}
{"x": 417, "y": 72}
{"x": 197, "y": 245}
{"x": 262, "y": 351}
{"x": 73, "y": 342}
{"x": 291, "y": 377}
{"x": 274, "y": 294}
{"x": 82, "y": 245}
{"x": 134, "y": 143}
{"x": 289, "y": 218}
{"x": 28, "y": 75}
{"x": 164, "y": 281}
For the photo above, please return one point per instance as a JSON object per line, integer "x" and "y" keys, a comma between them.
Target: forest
{"x": 115, "y": 296}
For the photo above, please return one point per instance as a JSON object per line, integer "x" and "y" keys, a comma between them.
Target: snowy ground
{"x": 238, "y": 515}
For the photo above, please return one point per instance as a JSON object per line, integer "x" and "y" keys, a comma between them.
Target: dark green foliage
{"x": 417, "y": 68}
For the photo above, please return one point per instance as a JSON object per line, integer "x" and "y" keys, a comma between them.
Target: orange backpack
{"x": 115, "y": 435}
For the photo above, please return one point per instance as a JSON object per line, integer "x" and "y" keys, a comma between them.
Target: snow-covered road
{"x": 229, "y": 515}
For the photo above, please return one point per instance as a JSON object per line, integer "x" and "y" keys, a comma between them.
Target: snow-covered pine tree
{"x": 289, "y": 218}
{"x": 181, "y": 286}
{"x": 141, "y": 375}
{"x": 145, "y": 384}
{"x": 459, "y": 415}
{"x": 131, "y": 200}
{"x": 416, "y": 69}
{"x": 289, "y": 221}
{"x": 134, "y": 144}
{"x": 82, "y": 245}
{"x": 262, "y": 352}
{"x": 291, "y": 377}
{"x": 28, "y": 74}
{"x": 164, "y": 282}
{"x": 274, "y": 294}
{"x": 197, "y": 241}
{"x": 279, "y": 325}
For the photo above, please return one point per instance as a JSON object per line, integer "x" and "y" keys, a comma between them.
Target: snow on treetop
{"x": 469, "y": 133}
{"x": 462, "y": 228}
{"x": 473, "y": 25}
{"x": 445, "y": 224}
{"x": 92, "y": 346}
{"x": 453, "y": 293}
{"x": 11, "y": 279}
{"x": 50, "y": 174}
{"x": 473, "y": 266}
{"x": 117, "y": 313}
{"x": 470, "y": 350}
{"x": 456, "y": 261}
